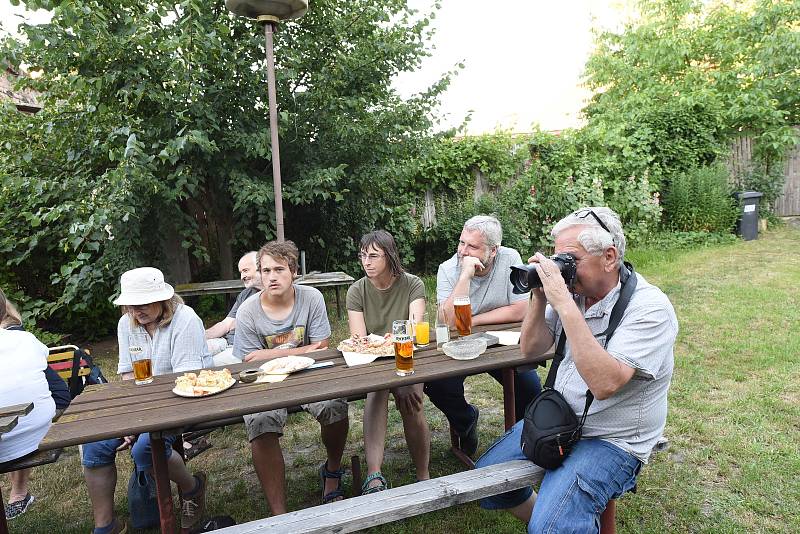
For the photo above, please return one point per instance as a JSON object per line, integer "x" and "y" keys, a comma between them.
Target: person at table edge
{"x": 287, "y": 319}
{"x": 385, "y": 294}
{"x": 629, "y": 378}
{"x": 175, "y": 333}
{"x": 221, "y": 335}
{"x": 480, "y": 269}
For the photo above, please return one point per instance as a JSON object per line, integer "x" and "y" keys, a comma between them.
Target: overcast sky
{"x": 523, "y": 59}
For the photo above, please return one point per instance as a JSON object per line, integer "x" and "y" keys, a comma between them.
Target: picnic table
{"x": 123, "y": 408}
{"x": 336, "y": 280}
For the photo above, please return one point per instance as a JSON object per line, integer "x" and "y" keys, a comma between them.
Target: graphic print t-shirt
{"x": 290, "y": 339}
{"x": 307, "y": 323}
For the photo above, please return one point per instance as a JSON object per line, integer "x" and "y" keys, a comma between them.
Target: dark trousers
{"x": 447, "y": 394}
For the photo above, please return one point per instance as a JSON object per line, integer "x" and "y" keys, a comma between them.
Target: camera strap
{"x": 628, "y": 281}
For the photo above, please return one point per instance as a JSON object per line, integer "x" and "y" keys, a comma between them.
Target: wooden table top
{"x": 9, "y": 415}
{"x": 337, "y": 278}
{"x": 123, "y": 408}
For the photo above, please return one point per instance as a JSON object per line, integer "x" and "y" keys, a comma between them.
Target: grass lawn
{"x": 734, "y": 423}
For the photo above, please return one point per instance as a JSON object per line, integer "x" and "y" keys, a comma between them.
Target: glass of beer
{"x": 422, "y": 331}
{"x": 403, "y": 348}
{"x": 139, "y": 347}
{"x": 463, "y": 315}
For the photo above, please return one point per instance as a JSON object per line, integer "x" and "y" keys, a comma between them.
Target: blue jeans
{"x": 447, "y": 394}
{"x": 104, "y": 452}
{"x": 572, "y": 496}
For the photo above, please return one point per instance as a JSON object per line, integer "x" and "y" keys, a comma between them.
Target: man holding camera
{"x": 480, "y": 269}
{"x": 629, "y": 377}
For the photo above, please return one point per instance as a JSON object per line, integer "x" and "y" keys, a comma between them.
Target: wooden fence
{"x": 788, "y": 204}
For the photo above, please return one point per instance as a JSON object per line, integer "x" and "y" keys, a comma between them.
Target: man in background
{"x": 219, "y": 337}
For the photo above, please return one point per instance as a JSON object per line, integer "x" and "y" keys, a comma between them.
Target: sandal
{"x": 336, "y": 494}
{"x": 377, "y": 475}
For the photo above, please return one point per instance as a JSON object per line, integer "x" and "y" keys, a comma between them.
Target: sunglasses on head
{"x": 582, "y": 214}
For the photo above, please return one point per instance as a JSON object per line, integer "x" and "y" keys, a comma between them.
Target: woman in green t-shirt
{"x": 385, "y": 294}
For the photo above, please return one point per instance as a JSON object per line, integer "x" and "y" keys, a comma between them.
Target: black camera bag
{"x": 551, "y": 428}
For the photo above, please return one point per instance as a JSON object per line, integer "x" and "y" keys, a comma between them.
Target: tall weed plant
{"x": 699, "y": 200}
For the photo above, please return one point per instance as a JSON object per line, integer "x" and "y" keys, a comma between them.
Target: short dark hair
{"x": 383, "y": 240}
{"x": 281, "y": 250}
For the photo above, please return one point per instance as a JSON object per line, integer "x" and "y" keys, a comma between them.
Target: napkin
{"x": 263, "y": 377}
{"x": 506, "y": 337}
{"x": 356, "y": 358}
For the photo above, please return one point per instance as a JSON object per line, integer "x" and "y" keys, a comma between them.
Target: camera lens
{"x": 524, "y": 278}
{"x": 520, "y": 280}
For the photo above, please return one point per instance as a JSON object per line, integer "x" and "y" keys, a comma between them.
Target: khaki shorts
{"x": 273, "y": 421}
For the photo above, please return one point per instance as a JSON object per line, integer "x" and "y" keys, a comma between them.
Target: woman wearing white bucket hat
{"x": 176, "y": 338}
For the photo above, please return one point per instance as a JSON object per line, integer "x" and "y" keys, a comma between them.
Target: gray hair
{"x": 595, "y": 239}
{"x": 488, "y": 226}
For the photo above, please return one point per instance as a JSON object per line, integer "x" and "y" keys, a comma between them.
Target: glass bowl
{"x": 465, "y": 349}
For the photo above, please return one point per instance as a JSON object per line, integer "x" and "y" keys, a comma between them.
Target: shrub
{"x": 699, "y": 200}
{"x": 767, "y": 179}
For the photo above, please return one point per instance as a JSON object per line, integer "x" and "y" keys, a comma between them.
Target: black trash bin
{"x": 747, "y": 225}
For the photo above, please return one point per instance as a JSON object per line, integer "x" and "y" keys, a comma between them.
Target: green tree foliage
{"x": 688, "y": 75}
{"x": 153, "y": 144}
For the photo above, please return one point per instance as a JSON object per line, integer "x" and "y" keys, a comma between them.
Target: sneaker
{"x": 469, "y": 441}
{"x": 17, "y": 508}
{"x": 193, "y": 507}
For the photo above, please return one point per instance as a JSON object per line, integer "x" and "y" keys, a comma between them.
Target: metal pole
{"x": 269, "y": 29}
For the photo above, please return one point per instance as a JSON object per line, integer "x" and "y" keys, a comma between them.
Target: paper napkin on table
{"x": 506, "y": 337}
{"x": 263, "y": 377}
{"x": 356, "y": 358}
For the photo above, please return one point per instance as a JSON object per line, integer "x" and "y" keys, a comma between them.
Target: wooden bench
{"x": 395, "y": 504}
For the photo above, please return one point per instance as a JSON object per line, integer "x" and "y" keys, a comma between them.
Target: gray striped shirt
{"x": 634, "y": 417}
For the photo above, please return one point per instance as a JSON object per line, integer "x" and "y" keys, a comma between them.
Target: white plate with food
{"x": 359, "y": 350}
{"x": 203, "y": 384}
{"x": 286, "y": 365}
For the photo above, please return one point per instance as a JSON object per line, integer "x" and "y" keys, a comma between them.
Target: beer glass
{"x": 403, "y": 348}
{"x": 463, "y": 315}
{"x": 140, "y": 350}
{"x": 442, "y": 328}
{"x": 422, "y": 331}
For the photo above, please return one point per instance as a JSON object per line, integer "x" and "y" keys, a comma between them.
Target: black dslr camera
{"x": 524, "y": 277}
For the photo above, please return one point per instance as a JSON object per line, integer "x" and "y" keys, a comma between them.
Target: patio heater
{"x": 269, "y": 13}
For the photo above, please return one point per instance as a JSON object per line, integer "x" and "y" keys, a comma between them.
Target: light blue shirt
{"x": 634, "y": 417}
{"x": 177, "y": 347}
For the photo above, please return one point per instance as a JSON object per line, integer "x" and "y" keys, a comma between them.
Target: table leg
{"x": 508, "y": 397}
{"x": 163, "y": 489}
{"x": 3, "y": 524}
{"x": 338, "y": 306}
{"x": 455, "y": 448}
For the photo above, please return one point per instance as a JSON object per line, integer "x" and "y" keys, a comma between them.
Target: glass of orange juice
{"x": 422, "y": 331}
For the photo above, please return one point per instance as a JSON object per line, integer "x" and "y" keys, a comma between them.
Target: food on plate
{"x": 286, "y": 365}
{"x": 371, "y": 344}
{"x": 204, "y": 383}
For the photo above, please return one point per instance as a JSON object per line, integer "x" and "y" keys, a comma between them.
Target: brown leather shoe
{"x": 193, "y": 508}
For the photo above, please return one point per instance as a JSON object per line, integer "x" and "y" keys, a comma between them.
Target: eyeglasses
{"x": 582, "y": 214}
{"x": 371, "y": 257}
